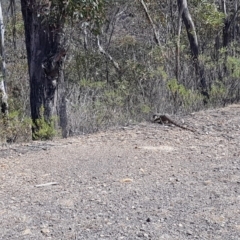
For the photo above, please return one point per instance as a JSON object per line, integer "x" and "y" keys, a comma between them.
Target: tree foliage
{"x": 56, "y": 11}
{"x": 117, "y": 73}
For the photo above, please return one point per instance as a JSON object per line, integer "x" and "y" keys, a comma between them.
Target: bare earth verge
{"x": 140, "y": 182}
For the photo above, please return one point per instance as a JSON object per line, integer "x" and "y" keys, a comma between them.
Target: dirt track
{"x": 142, "y": 182}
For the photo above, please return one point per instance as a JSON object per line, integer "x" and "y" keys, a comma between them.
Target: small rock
{"x": 208, "y": 182}
{"x": 45, "y": 231}
{"x": 148, "y": 220}
{"x": 26, "y": 232}
{"x": 126, "y": 180}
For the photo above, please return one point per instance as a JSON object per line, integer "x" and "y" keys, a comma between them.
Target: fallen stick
{"x": 46, "y": 184}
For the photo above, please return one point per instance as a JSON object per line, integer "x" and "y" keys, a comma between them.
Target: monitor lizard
{"x": 161, "y": 119}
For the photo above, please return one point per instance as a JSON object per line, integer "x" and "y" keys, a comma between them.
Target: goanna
{"x": 163, "y": 119}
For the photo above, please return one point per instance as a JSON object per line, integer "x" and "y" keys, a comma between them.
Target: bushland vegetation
{"x": 139, "y": 61}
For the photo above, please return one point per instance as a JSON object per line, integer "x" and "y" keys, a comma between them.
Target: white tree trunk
{"x": 190, "y": 27}
{"x": 3, "y": 94}
{"x": 178, "y": 43}
{"x": 192, "y": 38}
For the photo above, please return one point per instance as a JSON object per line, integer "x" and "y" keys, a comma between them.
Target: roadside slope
{"x": 141, "y": 182}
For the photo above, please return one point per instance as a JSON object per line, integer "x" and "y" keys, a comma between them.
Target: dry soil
{"x": 145, "y": 181}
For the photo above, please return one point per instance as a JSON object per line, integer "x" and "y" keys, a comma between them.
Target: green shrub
{"x": 15, "y": 128}
{"x": 44, "y": 130}
{"x": 181, "y": 95}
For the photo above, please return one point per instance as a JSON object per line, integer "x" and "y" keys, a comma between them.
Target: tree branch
{"x": 156, "y": 35}
{"x": 115, "y": 64}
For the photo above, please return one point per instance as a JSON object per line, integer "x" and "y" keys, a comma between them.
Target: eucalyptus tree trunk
{"x": 193, "y": 41}
{"x": 230, "y": 23}
{"x": 178, "y": 43}
{"x": 230, "y": 28}
{"x": 3, "y": 94}
{"x": 45, "y": 61}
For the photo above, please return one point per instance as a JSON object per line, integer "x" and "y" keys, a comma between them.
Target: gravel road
{"x": 145, "y": 181}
